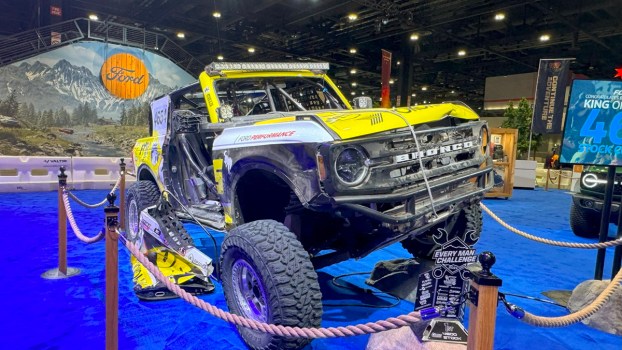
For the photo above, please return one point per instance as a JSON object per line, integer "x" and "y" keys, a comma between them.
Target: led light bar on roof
{"x": 217, "y": 67}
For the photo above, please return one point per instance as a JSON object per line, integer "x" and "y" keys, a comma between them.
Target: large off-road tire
{"x": 268, "y": 276}
{"x": 140, "y": 195}
{"x": 469, "y": 219}
{"x": 584, "y": 222}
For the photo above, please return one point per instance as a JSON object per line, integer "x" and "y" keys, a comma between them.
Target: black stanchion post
{"x": 483, "y": 297}
{"x": 604, "y": 222}
{"x": 122, "y": 195}
{"x": 112, "y": 274}
{"x": 62, "y": 271}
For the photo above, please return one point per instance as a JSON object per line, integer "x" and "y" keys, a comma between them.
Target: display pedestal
{"x": 525, "y": 174}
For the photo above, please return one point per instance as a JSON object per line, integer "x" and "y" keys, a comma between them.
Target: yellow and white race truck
{"x": 274, "y": 155}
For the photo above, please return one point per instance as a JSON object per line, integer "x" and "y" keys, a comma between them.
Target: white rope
{"x": 97, "y": 205}
{"x": 549, "y": 241}
{"x": 74, "y": 225}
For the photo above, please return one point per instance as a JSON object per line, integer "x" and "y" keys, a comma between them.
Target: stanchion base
{"x": 55, "y": 274}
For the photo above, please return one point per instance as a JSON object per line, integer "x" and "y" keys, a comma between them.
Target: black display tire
{"x": 583, "y": 222}
{"x": 469, "y": 219}
{"x": 140, "y": 195}
{"x": 287, "y": 283}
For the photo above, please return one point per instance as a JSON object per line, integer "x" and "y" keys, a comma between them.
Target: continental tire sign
{"x": 125, "y": 76}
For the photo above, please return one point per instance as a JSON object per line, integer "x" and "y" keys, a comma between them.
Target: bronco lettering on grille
{"x": 433, "y": 151}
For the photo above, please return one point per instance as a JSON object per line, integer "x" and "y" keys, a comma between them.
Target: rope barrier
{"x": 580, "y": 315}
{"x": 74, "y": 225}
{"x": 300, "y": 332}
{"x": 549, "y": 241}
{"x": 97, "y": 205}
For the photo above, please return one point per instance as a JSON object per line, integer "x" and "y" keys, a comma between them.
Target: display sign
{"x": 446, "y": 285}
{"x": 125, "y": 75}
{"x": 56, "y": 11}
{"x": 550, "y": 93}
{"x": 386, "y": 77}
{"x": 593, "y": 128}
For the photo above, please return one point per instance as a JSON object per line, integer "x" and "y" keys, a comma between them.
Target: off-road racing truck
{"x": 587, "y": 204}
{"x": 274, "y": 155}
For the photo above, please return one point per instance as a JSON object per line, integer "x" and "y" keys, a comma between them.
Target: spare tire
{"x": 267, "y": 276}
{"x": 140, "y": 195}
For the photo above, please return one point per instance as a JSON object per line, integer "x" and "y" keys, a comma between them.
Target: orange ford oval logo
{"x": 125, "y": 76}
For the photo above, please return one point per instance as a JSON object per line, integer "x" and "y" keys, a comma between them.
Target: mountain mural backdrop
{"x": 56, "y": 103}
{"x": 66, "y": 85}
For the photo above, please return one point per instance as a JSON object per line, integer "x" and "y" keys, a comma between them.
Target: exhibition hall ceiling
{"x": 456, "y": 43}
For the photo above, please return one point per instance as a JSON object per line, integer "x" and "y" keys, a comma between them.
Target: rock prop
{"x": 609, "y": 317}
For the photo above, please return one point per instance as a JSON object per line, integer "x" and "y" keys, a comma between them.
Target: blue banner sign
{"x": 593, "y": 128}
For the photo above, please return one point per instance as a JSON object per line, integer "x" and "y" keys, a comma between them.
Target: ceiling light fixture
{"x": 499, "y": 16}
{"x": 181, "y": 35}
{"x": 352, "y": 50}
{"x": 391, "y": 81}
{"x": 545, "y": 37}
{"x": 453, "y": 92}
{"x": 353, "y": 93}
{"x": 424, "y": 88}
{"x": 352, "y": 17}
{"x": 461, "y": 53}
{"x": 251, "y": 50}
{"x": 217, "y": 14}
{"x": 352, "y": 71}
{"x": 398, "y": 63}
{"x": 354, "y": 84}
{"x": 93, "y": 17}
{"x": 414, "y": 37}
{"x": 220, "y": 57}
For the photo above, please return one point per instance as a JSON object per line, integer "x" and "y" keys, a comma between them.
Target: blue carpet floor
{"x": 69, "y": 314}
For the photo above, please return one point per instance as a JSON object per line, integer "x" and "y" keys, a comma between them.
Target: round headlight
{"x": 351, "y": 166}
{"x": 590, "y": 180}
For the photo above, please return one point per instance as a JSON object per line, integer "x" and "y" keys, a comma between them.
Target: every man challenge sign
{"x": 446, "y": 284}
{"x": 593, "y": 129}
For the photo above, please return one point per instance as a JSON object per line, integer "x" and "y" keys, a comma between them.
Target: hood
{"x": 348, "y": 124}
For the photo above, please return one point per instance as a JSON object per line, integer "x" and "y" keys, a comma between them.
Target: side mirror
{"x": 362, "y": 102}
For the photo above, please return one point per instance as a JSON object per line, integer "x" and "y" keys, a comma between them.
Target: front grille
{"x": 395, "y": 162}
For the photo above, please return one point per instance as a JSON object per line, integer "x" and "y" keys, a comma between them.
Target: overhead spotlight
{"x": 545, "y": 37}
{"x": 499, "y": 16}
{"x": 251, "y": 50}
{"x": 363, "y": 93}
{"x": 453, "y": 92}
{"x": 385, "y": 20}
{"x": 398, "y": 63}
{"x": 391, "y": 81}
{"x": 353, "y": 93}
{"x": 414, "y": 37}
{"x": 353, "y": 50}
{"x": 217, "y": 14}
{"x": 424, "y": 101}
{"x": 93, "y": 17}
{"x": 424, "y": 88}
{"x": 461, "y": 53}
{"x": 181, "y": 35}
{"x": 354, "y": 84}
{"x": 413, "y": 95}
{"x": 352, "y": 17}
{"x": 220, "y": 57}
{"x": 352, "y": 71}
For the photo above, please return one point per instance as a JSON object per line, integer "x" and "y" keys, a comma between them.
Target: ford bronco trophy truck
{"x": 274, "y": 155}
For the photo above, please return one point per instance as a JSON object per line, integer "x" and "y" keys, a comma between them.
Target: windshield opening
{"x": 254, "y": 96}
